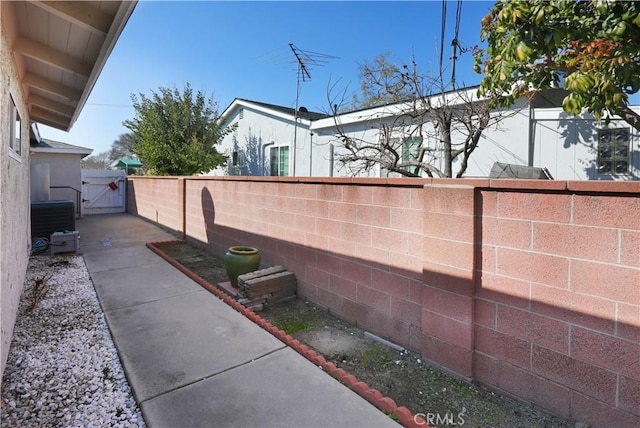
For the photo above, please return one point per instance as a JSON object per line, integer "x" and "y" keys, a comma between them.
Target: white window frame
{"x": 15, "y": 131}
{"x": 280, "y": 172}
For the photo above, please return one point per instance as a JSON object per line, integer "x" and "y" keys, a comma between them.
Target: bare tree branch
{"x": 426, "y": 134}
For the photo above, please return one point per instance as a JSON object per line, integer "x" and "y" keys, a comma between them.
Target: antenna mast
{"x": 303, "y": 60}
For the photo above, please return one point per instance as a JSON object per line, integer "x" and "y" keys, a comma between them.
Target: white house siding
{"x": 14, "y": 198}
{"x": 567, "y": 145}
{"x": 505, "y": 142}
{"x": 540, "y": 137}
{"x": 270, "y": 130}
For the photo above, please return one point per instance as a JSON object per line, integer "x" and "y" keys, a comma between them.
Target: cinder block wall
{"x": 158, "y": 199}
{"x": 530, "y": 287}
{"x": 557, "y": 315}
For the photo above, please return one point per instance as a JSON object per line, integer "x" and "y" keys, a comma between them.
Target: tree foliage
{"x": 591, "y": 47}
{"x": 176, "y": 133}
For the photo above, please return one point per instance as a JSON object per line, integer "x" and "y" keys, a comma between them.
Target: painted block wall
{"x": 158, "y": 199}
{"x": 15, "y": 243}
{"x": 530, "y": 287}
{"x": 558, "y": 300}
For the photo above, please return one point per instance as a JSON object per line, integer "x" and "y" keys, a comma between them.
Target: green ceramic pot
{"x": 240, "y": 260}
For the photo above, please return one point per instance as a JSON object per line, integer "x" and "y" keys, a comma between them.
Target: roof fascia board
{"x": 238, "y": 103}
{"x": 382, "y": 113}
{"x": 55, "y": 150}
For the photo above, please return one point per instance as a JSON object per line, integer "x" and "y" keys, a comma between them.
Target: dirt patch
{"x": 399, "y": 374}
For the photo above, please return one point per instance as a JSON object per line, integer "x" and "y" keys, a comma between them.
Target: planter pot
{"x": 240, "y": 260}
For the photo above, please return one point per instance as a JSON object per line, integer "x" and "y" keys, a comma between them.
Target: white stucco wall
{"x": 567, "y": 145}
{"x": 14, "y": 199}
{"x": 269, "y": 130}
{"x": 64, "y": 170}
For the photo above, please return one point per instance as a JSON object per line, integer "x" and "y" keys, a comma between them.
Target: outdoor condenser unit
{"x": 48, "y": 217}
{"x": 64, "y": 242}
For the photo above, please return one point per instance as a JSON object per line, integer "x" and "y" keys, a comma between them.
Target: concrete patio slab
{"x": 119, "y": 258}
{"x": 173, "y": 342}
{"x": 120, "y": 230}
{"x": 191, "y": 359}
{"x": 281, "y": 389}
{"x": 133, "y": 286}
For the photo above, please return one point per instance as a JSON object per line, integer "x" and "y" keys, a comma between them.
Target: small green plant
{"x": 375, "y": 356}
{"x": 106, "y": 373}
{"x": 291, "y": 325}
{"x": 39, "y": 291}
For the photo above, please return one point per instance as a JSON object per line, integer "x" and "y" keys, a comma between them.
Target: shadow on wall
{"x": 581, "y": 133}
{"x": 208, "y": 213}
{"x": 516, "y": 345}
{"x": 131, "y": 206}
{"x": 499, "y": 335}
{"x": 247, "y": 160}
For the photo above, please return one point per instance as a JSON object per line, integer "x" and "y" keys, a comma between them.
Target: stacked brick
{"x": 266, "y": 287}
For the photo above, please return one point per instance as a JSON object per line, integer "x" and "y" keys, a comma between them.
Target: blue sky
{"x": 239, "y": 49}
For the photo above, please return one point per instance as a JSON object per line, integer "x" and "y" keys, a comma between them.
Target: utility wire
{"x": 442, "y": 33}
{"x": 455, "y": 44}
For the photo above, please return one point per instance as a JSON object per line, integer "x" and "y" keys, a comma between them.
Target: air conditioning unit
{"x": 64, "y": 242}
{"x": 48, "y": 217}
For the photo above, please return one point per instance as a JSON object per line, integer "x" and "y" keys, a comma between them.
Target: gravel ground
{"x": 63, "y": 368}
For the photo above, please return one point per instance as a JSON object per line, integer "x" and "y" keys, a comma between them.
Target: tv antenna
{"x": 305, "y": 60}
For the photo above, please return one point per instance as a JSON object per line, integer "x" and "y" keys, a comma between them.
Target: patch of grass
{"x": 376, "y": 356}
{"x": 291, "y": 325}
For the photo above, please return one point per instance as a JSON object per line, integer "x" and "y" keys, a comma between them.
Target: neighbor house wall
{"x": 14, "y": 195}
{"x": 64, "y": 170}
{"x": 266, "y": 131}
{"x": 529, "y": 286}
{"x": 568, "y": 145}
{"x": 505, "y": 141}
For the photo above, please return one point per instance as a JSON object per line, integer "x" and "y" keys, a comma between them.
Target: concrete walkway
{"x": 193, "y": 361}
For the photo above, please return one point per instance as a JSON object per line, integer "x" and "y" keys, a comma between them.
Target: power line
{"x": 442, "y": 34}
{"x": 455, "y": 44}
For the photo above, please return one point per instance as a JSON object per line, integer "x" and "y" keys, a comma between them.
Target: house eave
{"x": 228, "y": 114}
{"x": 81, "y": 152}
{"x": 58, "y": 68}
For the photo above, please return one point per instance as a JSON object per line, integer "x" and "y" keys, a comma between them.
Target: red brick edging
{"x": 373, "y": 396}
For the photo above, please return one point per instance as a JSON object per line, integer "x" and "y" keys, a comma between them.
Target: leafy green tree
{"x": 176, "y": 133}
{"x": 591, "y": 47}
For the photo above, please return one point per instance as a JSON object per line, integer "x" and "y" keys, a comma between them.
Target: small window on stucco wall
{"x": 613, "y": 151}
{"x": 15, "y": 129}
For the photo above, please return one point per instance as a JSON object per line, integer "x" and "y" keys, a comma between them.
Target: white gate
{"x": 103, "y": 191}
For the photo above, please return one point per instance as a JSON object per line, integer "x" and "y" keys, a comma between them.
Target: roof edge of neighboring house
{"x": 58, "y": 147}
{"x": 280, "y": 111}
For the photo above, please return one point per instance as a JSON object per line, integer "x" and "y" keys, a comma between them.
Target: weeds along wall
{"x": 531, "y": 287}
